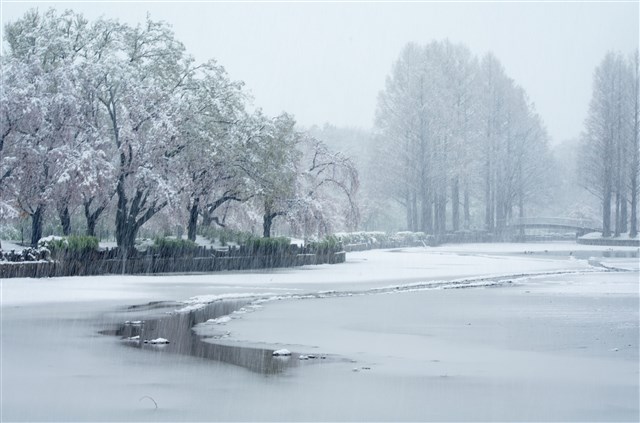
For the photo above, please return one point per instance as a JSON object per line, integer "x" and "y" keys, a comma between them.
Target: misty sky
{"x": 326, "y": 62}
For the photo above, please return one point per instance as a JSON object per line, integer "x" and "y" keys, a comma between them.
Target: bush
{"x": 171, "y": 247}
{"x": 27, "y": 254}
{"x": 268, "y": 246}
{"x": 75, "y": 244}
{"x": 330, "y": 244}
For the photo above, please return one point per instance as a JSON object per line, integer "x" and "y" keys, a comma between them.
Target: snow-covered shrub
{"x": 370, "y": 238}
{"x": 268, "y": 246}
{"x": 172, "y": 247}
{"x": 27, "y": 254}
{"x": 330, "y": 244}
{"x": 75, "y": 244}
{"x": 384, "y": 240}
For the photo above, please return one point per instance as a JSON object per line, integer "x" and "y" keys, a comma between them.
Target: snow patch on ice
{"x": 157, "y": 341}
{"x": 220, "y": 320}
{"x": 200, "y": 301}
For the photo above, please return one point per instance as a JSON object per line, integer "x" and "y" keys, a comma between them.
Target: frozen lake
{"x": 541, "y": 332}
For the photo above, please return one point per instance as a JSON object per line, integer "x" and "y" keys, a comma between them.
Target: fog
{"x": 319, "y": 211}
{"x": 327, "y": 62}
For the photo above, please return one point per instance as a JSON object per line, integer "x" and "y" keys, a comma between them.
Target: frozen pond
{"x": 540, "y": 333}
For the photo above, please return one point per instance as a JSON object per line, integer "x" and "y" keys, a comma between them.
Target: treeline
{"x": 609, "y": 156}
{"x": 106, "y": 119}
{"x": 458, "y": 141}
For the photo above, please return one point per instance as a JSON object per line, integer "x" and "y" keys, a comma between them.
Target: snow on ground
{"x": 220, "y": 320}
{"x": 562, "y": 345}
{"x": 531, "y": 247}
{"x": 108, "y": 244}
{"x": 11, "y": 245}
{"x": 366, "y": 269}
{"x": 598, "y": 235}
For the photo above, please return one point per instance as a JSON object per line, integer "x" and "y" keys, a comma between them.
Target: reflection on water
{"x": 177, "y": 328}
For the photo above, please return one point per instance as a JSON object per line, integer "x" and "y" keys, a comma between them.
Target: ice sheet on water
{"x": 414, "y": 341}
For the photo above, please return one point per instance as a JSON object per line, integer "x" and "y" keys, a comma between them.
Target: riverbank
{"x": 596, "y": 238}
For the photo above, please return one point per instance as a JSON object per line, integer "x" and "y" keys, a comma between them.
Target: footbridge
{"x": 556, "y": 224}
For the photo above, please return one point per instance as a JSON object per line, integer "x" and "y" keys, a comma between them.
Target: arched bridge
{"x": 579, "y": 226}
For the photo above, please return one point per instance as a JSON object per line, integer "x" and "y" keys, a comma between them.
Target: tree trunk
{"x": 455, "y": 205}
{"x": 193, "y": 220}
{"x": 91, "y": 226}
{"x": 408, "y": 211}
{"x": 488, "y": 198}
{"x": 36, "y": 225}
{"x": 617, "y": 215}
{"x": 501, "y": 213}
{"x": 440, "y": 214}
{"x": 521, "y": 213}
{"x": 414, "y": 212}
{"x": 606, "y": 213}
{"x": 92, "y": 218}
{"x": 467, "y": 211}
{"x": 131, "y": 214}
{"x": 267, "y": 221}
{"x": 436, "y": 215}
{"x": 624, "y": 215}
{"x": 633, "y": 230}
{"x": 122, "y": 224}
{"x": 65, "y": 220}
{"x": 426, "y": 224}
{"x": 206, "y": 218}
{"x": 443, "y": 211}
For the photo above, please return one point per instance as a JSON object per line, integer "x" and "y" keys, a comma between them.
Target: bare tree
{"x": 604, "y": 161}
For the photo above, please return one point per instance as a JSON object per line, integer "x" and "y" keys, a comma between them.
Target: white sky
{"x": 326, "y": 62}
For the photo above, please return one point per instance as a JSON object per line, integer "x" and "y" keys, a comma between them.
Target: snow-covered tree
{"x": 448, "y": 125}
{"x": 327, "y": 185}
{"x": 609, "y": 149}
{"x": 97, "y": 111}
{"x": 269, "y": 165}
{"x": 41, "y": 111}
{"x": 216, "y": 108}
{"x": 403, "y": 149}
{"x": 140, "y": 84}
